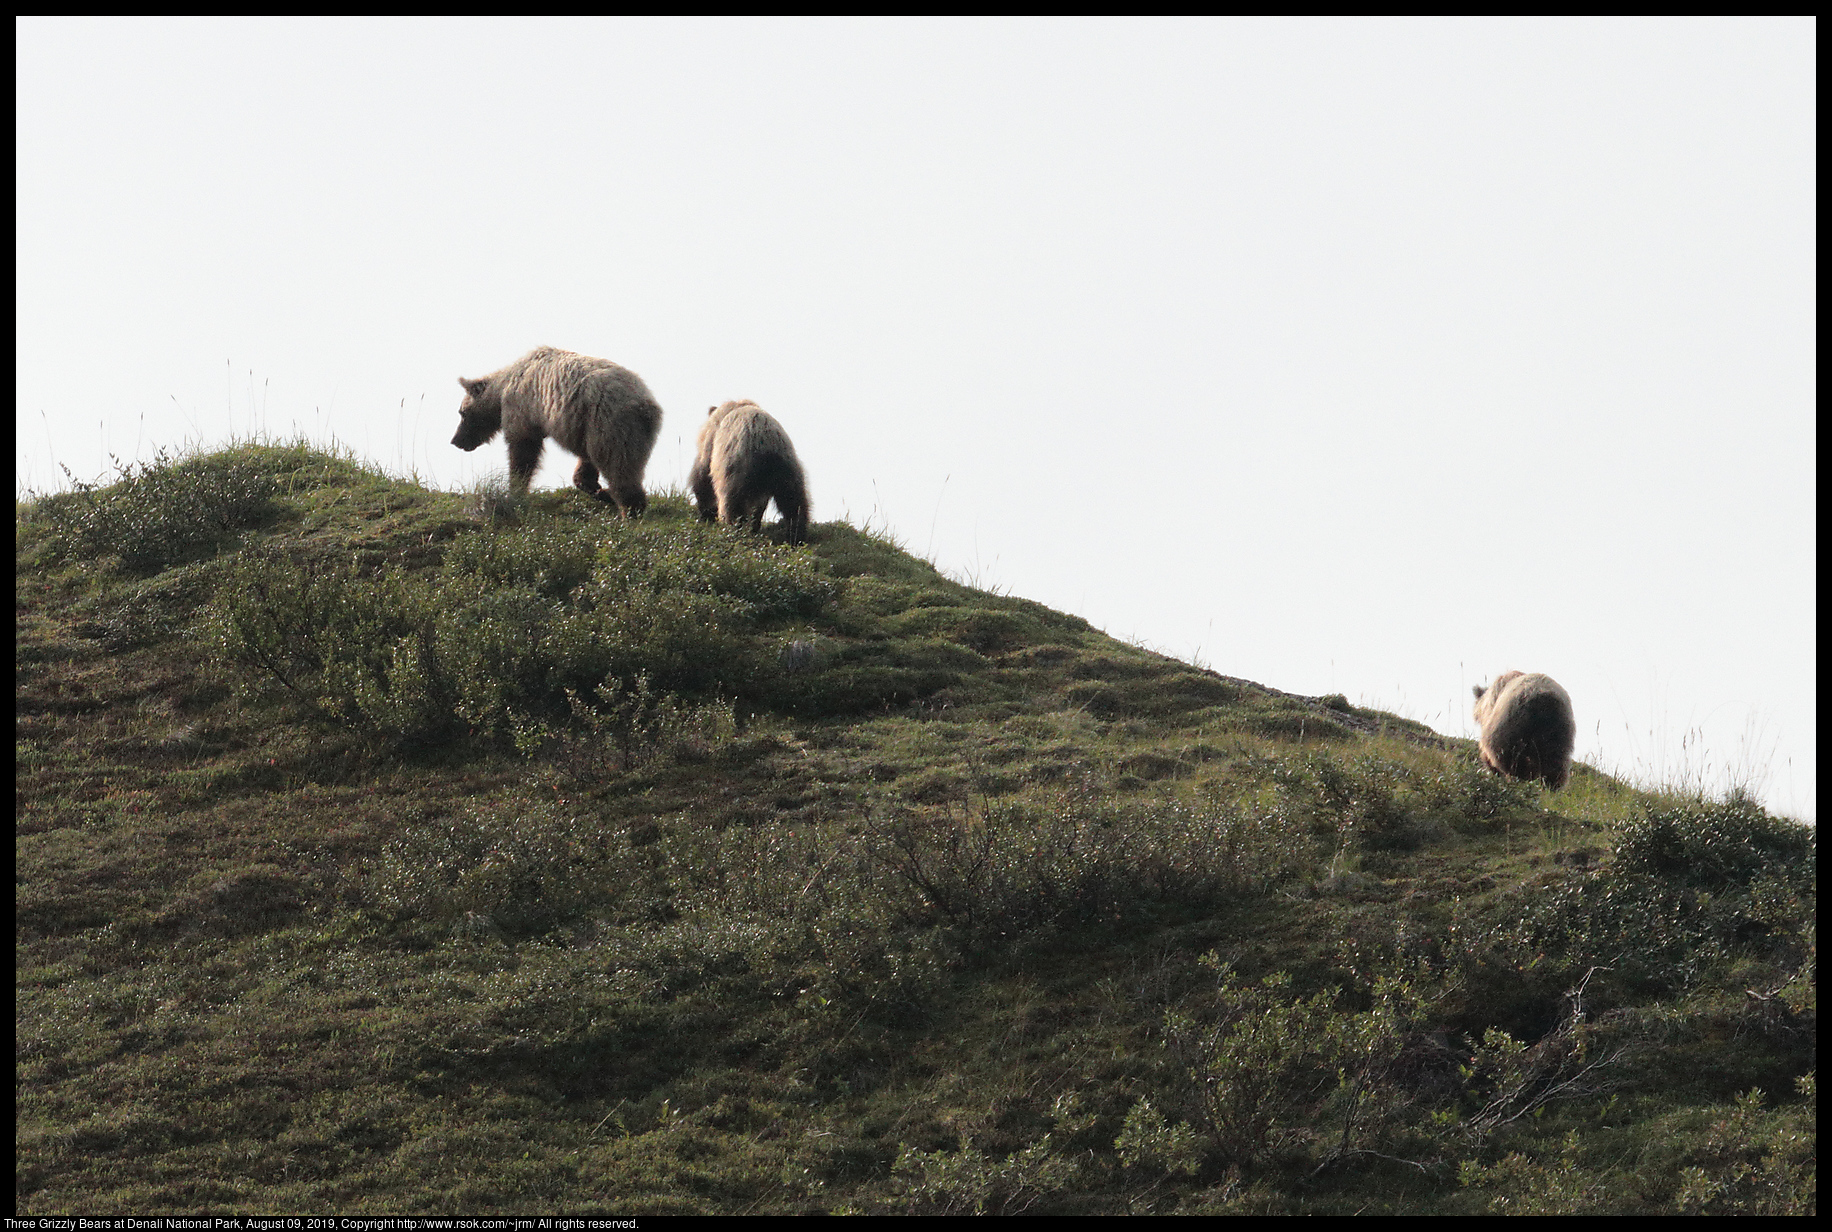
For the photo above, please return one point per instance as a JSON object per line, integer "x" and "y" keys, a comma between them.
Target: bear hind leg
{"x": 739, "y": 509}
{"x": 699, "y": 480}
{"x": 585, "y": 478}
{"x": 794, "y": 520}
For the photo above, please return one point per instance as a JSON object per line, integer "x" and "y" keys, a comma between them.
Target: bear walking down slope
{"x": 590, "y": 407}
{"x": 1528, "y": 730}
{"x": 742, "y": 460}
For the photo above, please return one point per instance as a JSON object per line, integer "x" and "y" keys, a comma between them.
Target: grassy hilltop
{"x": 378, "y": 853}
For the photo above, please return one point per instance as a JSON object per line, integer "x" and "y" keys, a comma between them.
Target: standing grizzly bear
{"x": 743, "y": 460}
{"x": 591, "y": 407}
{"x": 1527, "y": 727}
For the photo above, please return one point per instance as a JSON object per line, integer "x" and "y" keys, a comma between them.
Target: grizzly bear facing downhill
{"x": 1527, "y": 727}
{"x": 743, "y": 460}
{"x": 590, "y": 407}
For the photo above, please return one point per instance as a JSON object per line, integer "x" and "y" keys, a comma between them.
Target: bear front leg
{"x": 524, "y": 456}
{"x": 630, "y": 498}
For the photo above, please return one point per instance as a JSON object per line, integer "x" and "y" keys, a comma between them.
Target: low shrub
{"x": 163, "y": 512}
{"x": 969, "y": 1182}
{"x": 1276, "y": 1076}
{"x": 1006, "y": 866}
{"x": 523, "y": 873}
{"x": 1367, "y": 801}
{"x": 765, "y": 581}
{"x": 1756, "y": 1160}
{"x": 1692, "y": 886}
{"x": 1715, "y": 846}
{"x": 627, "y": 726}
{"x": 519, "y": 633}
{"x": 1467, "y": 791}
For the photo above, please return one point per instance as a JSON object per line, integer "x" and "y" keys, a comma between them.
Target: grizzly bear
{"x": 743, "y": 460}
{"x": 1527, "y": 727}
{"x": 590, "y": 407}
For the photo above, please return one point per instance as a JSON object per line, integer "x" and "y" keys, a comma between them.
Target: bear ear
{"x": 711, "y": 409}
{"x": 1480, "y": 690}
{"x": 473, "y": 387}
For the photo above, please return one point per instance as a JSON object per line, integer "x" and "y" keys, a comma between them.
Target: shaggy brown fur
{"x": 590, "y": 407}
{"x": 743, "y": 460}
{"x": 1527, "y": 727}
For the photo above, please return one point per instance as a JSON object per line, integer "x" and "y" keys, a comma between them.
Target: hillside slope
{"x": 376, "y": 855}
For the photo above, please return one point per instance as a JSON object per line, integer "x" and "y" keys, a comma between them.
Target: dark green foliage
{"x": 1366, "y": 801}
{"x": 1375, "y": 803}
{"x": 1647, "y": 918}
{"x": 1715, "y": 846}
{"x": 1075, "y": 857}
{"x": 1468, "y": 790}
{"x": 552, "y": 559}
{"x": 1281, "y": 1077}
{"x": 522, "y": 872}
{"x": 162, "y": 512}
{"x": 1743, "y": 1157}
{"x": 1755, "y": 1161}
{"x": 516, "y": 629}
{"x": 624, "y": 726}
{"x": 764, "y": 581}
{"x": 357, "y": 646}
{"x": 968, "y": 1182}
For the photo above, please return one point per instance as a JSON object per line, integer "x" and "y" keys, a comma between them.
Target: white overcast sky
{"x": 1360, "y": 356}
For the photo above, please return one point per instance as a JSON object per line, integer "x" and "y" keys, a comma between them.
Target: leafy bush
{"x": 1469, "y": 791}
{"x": 1282, "y": 1079}
{"x": 163, "y": 512}
{"x": 968, "y": 1182}
{"x": 1147, "y": 1137}
{"x": 551, "y": 559}
{"x": 1750, "y": 1159}
{"x": 524, "y": 874}
{"x": 766, "y": 581}
{"x": 1715, "y": 846}
{"x": 292, "y": 621}
{"x": 1511, "y": 1080}
{"x": 1376, "y": 804}
{"x": 632, "y": 725}
{"x": 1692, "y": 886}
{"x": 355, "y": 645}
{"x": 519, "y": 633}
{"x": 1076, "y": 857}
{"x": 1366, "y": 801}
{"x": 1519, "y": 1184}
{"x": 1756, "y": 1161}
{"x": 1278, "y": 1075}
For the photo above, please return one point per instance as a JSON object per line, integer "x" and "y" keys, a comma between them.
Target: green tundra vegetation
{"x": 388, "y": 850}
